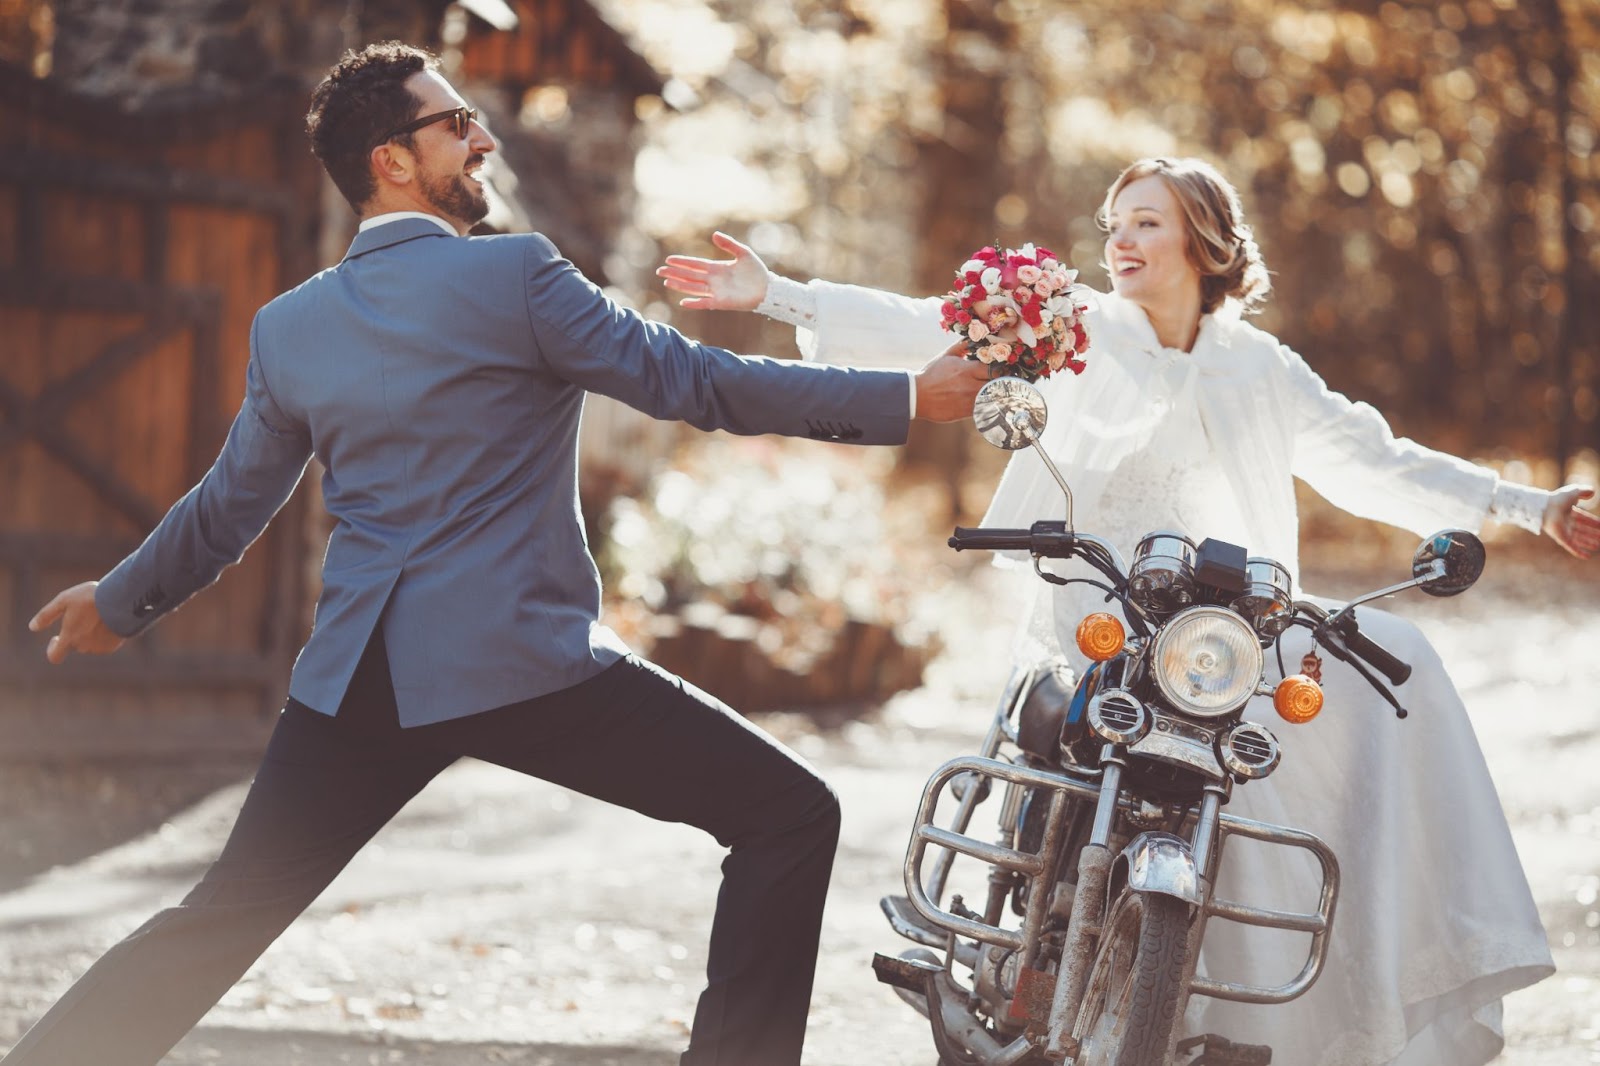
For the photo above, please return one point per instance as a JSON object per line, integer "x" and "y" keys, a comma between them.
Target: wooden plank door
{"x": 129, "y": 273}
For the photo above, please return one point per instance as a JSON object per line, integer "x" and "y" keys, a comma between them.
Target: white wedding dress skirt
{"x": 1434, "y": 921}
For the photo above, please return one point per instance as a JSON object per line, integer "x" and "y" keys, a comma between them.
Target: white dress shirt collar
{"x": 395, "y": 216}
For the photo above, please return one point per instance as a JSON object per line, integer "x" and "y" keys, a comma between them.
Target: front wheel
{"x": 1133, "y": 990}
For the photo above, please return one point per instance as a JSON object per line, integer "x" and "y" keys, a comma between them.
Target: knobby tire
{"x": 1153, "y": 982}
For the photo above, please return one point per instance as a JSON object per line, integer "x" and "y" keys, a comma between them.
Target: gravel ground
{"x": 505, "y": 920}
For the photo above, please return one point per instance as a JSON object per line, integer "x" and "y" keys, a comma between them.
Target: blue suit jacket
{"x": 439, "y": 380}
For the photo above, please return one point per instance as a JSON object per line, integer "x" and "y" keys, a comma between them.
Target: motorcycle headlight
{"x": 1206, "y": 661}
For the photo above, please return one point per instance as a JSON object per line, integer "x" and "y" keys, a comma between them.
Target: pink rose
{"x": 1000, "y": 318}
{"x": 977, "y": 330}
{"x": 1029, "y": 274}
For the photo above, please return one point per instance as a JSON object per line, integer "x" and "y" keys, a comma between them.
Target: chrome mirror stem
{"x": 1050, "y": 465}
{"x": 1380, "y": 594}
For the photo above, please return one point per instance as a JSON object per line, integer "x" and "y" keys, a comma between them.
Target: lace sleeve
{"x": 1522, "y": 506}
{"x": 789, "y": 301}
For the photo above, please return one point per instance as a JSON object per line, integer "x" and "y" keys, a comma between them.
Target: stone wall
{"x": 160, "y": 53}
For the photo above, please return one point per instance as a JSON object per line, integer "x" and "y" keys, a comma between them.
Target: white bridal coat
{"x": 1434, "y": 921}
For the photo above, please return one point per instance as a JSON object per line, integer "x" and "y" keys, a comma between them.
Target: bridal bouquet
{"x": 1020, "y": 312}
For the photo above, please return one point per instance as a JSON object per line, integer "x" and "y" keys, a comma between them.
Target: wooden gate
{"x": 134, "y": 251}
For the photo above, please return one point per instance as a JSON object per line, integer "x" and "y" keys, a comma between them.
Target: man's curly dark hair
{"x": 363, "y": 96}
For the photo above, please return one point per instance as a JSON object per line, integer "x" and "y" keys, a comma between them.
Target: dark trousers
{"x": 634, "y": 735}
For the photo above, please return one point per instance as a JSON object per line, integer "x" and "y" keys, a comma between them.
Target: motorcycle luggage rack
{"x": 1040, "y": 867}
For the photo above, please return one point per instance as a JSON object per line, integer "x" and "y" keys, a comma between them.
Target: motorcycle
{"x": 1110, "y": 829}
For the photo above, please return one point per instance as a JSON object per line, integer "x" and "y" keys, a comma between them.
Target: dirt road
{"x": 504, "y": 920}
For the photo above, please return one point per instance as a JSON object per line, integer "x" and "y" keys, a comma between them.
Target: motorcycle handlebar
{"x": 966, "y": 538}
{"x": 1380, "y": 658}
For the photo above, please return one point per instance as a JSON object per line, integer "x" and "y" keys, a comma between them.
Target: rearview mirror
{"x": 1010, "y": 413}
{"x": 1448, "y": 563}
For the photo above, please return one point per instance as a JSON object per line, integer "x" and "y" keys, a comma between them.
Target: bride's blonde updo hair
{"x": 1220, "y": 245}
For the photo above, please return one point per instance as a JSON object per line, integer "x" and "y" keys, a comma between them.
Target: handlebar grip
{"x": 1395, "y": 669}
{"x": 966, "y": 538}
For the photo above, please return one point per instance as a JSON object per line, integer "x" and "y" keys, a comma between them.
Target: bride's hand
{"x": 1571, "y": 526}
{"x": 737, "y": 284}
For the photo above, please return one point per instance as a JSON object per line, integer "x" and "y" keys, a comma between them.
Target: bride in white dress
{"x": 1191, "y": 420}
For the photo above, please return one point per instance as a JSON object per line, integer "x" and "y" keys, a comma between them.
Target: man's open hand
{"x": 82, "y": 629}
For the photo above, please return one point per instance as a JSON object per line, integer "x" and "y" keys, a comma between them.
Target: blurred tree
{"x": 1419, "y": 175}
{"x": 27, "y": 31}
{"x": 967, "y": 177}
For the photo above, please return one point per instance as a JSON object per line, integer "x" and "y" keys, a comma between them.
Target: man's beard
{"x": 456, "y": 198}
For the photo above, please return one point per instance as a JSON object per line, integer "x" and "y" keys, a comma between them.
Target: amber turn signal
{"x": 1100, "y": 636}
{"x": 1297, "y": 699}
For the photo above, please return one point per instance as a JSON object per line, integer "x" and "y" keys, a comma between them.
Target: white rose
{"x": 971, "y": 265}
{"x": 991, "y": 280}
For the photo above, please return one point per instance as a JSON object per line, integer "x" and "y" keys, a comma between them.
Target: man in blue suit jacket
{"x": 439, "y": 380}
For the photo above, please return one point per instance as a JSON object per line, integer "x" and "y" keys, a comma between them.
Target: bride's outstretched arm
{"x": 1347, "y": 452}
{"x": 834, "y": 323}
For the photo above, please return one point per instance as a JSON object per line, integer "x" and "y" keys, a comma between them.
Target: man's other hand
{"x": 947, "y": 385}
{"x": 82, "y": 629}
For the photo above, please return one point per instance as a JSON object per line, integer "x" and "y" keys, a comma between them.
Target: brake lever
{"x": 1329, "y": 639}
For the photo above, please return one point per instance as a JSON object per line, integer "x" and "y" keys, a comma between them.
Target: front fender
{"x": 1162, "y": 863}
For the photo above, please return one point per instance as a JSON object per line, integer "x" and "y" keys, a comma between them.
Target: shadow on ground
{"x": 279, "y": 1047}
{"x": 59, "y": 813}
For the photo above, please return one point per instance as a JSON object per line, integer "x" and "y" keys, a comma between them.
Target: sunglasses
{"x": 458, "y": 117}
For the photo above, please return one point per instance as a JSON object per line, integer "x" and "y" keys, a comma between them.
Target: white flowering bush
{"x": 782, "y": 544}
